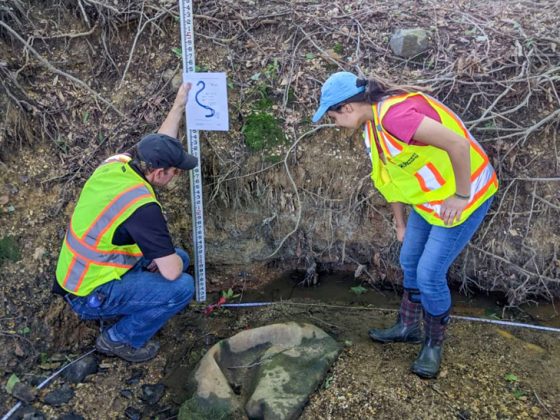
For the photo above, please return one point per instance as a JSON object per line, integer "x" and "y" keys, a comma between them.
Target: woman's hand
{"x": 400, "y": 232}
{"x": 452, "y": 208}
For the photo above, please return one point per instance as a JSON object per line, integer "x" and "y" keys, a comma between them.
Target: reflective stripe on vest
{"x": 84, "y": 250}
{"x": 428, "y": 166}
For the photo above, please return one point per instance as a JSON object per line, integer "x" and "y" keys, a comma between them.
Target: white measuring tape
{"x": 187, "y": 45}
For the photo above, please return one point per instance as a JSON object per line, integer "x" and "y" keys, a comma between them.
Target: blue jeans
{"x": 427, "y": 253}
{"x": 143, "y": 300}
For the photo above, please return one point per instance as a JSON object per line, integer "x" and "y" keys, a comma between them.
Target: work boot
{"x": 105, "y": 345}
{"x": 407, "y": 328}
{"x": 428, "y": 361}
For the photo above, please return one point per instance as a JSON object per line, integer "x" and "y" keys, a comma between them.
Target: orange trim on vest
{"x": 108, "y": 206}
{"x": 81, "y": 279}
{"x": 110, "y": 223}
{"x": 100, "y": 251}
{"x": 70, "y": 267}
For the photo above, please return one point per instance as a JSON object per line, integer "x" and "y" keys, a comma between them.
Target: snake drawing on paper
{"x": 211, "y": 110}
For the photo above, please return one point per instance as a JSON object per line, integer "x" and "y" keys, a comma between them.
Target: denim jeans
{"x": 143, "y": 300}
{"x": 427, "y": 253}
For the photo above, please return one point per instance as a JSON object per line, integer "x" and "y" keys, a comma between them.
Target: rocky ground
{"x": 488, "y": 371}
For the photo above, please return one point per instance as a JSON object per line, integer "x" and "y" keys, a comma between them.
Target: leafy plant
{"x": 229, "y": 294}
{"x": 358, "y": 290}
{"x": 271, "y": 71}
{"x": 178, "y": 52}
{"x": 510, "y": 377}
{"x": 12, "y": 381}
{"x": 24, "y": 330}
{"x": 518, "y": 393}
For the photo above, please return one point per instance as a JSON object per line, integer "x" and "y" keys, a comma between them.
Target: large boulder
{"x": 267, "y": 373}
{"x": 409, "y": 42}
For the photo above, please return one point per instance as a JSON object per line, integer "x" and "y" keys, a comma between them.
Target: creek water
{"x": 343, "y": 289}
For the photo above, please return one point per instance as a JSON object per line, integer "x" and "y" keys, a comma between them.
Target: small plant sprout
{"x": 178, "y": 52}
{"x": 358, "y": 290}
{"x": 229, "y": 294}
{"x": 510, "y": 377}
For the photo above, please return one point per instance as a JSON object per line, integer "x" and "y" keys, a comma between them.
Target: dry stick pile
{"x": 494, "y": 63}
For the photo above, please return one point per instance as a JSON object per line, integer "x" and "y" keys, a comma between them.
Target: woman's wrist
{"x": 462, "y": 196}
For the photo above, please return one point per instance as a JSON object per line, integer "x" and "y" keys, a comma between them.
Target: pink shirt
{"x": 402, "y": 120}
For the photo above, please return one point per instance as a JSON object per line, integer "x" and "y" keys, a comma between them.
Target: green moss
{"x": 199, "y": 409}
{"x": 338, "y": 48}
{"x": 9, "y": 249}
{"x": 262, "y": 131}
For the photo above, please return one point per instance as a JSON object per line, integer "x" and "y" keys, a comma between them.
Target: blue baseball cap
{"x": 338, "y": 87}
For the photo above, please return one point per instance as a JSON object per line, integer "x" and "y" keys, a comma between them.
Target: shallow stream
{"x": 343, "y": 289}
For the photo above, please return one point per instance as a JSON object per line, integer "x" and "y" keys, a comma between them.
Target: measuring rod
{"x": 187, "y": 45}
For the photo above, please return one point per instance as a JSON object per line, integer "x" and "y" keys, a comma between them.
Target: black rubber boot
{"x": 428, "y": 361}
{"x": 407, "y": 328}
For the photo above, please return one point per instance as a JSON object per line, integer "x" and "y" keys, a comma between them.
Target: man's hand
{"x": 152, "y": 267}
{"x": 451, "y": 209}
{"x": 182, "y": 96}
{"x": 170, "y": 126}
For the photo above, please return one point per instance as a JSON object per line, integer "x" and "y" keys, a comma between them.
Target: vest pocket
{"x": 429, "y": 179}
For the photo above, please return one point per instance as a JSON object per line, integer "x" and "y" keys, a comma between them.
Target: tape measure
{"x": 187, "y": 45}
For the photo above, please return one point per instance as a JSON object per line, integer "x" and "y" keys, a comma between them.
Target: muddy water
{"x": 341, "y": 288}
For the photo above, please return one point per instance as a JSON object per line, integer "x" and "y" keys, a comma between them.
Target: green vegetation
{"x": 338, "y": 48}
{"x": 9, "y": 249}
{"x": 12, "y": 381}
{"x": 510, "y": 377}
{"x": 358, "y": 290}
{"x": 514, "y": 385}
{"x": 178, "y": 52}
{"x": 229, "y": 294}
{"x": 264, "y": 102}
{"x": 262, "y": 131}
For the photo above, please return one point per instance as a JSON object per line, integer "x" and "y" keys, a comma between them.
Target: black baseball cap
{"x": 163, "y": 151}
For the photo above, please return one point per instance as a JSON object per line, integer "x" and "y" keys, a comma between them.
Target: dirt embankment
{"x": 81, "y": 80}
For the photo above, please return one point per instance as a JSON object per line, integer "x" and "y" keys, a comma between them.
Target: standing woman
{"x": 422, "y": 155}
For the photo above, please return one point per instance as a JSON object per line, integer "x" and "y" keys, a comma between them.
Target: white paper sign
{"x": 207, "y": 106}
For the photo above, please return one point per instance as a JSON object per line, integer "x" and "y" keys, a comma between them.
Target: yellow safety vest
{"x": 423, "y": 175}
{"x": 88, "y": 257}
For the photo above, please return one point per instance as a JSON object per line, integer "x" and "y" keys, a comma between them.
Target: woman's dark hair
{"x": 375, "y": 91}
